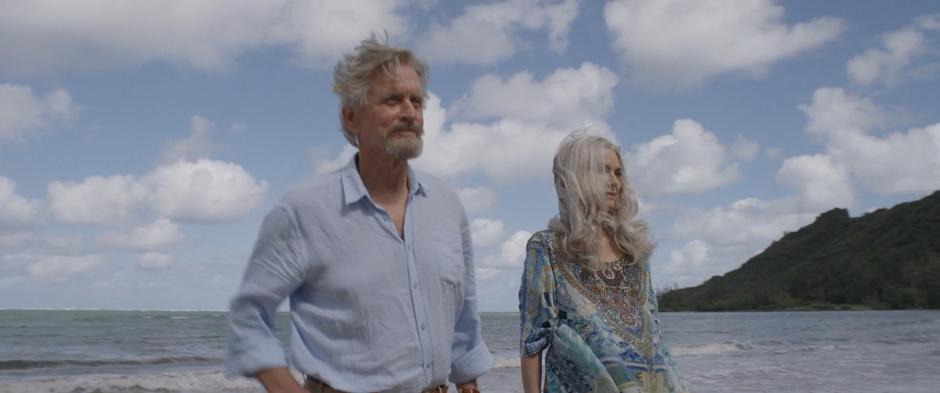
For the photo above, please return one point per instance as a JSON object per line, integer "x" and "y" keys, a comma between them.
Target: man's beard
{"x": 405, "y": 148}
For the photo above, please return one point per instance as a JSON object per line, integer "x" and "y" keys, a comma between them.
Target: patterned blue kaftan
{"x": 601, "y": 327}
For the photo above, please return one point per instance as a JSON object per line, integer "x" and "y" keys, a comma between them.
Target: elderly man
{"x": 376, "y": 259}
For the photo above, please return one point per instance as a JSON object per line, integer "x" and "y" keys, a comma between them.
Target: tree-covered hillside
{"x": 889, "y": 258}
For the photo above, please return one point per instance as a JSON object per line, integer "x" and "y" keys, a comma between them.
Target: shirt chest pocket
{"x": 447, "y": 254}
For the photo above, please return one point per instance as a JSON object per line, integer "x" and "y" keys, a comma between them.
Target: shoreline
{"x": 851, "y": 307}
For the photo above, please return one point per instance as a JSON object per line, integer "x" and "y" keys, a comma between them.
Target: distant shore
{"x": 814, "y": 307}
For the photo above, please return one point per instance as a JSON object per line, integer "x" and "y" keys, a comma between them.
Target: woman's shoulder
{"x": 545, "y": 242}
{"x": 543, "y": 237}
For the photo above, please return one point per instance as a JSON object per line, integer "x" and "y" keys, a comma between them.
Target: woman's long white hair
{"x": 581, "y": 184}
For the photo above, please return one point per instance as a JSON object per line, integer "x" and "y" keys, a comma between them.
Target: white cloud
{"x": 928, "y": 22}
{"x": 686, "y": 264}
{"x": 501, "y": 286}
{"x": 488, "y": 33}
{"x": 511, "y": 253}
{"x": 505, "y": 150}
{"x": 897, "y": 163}
{"x": 747, "y": 221}
{"x": 691, "y": 255}
{"x": 33, "y": 242}
{"x": 97, "y": 199}
{"x": 773, "y": 153}
{"x": 323, "y": 164}
{"x": 93, "y": 34}
{"x": 695, "y": 261}
{"x": 834, "y": 113}
{"x": 9, "y": 282}
{"x": 61, "y": 266}
{"x": 196, "y": 145}
{"x": 158, "y": 235}
{"x": 154, "y": 261}
{"x": 690, "y": 159}
{"x": 16, "y": 212}
{"x": 745, "y": 149}
{"x": 559, "y": 17}
{"x": 28, "y": 256}
{"x": 705, "y": 242}
{"x": 897, "y": 56}
{"x": 46, "y": 35}
{"x": 517, "y": 146}
{"x": 566, "y": 98}
{"x": 681, "y": 43}
{"x": 486, "y": 232}
{"x": 476, "y": 199}
{"x": 16, "y": 239}
{"x": 22, "y": 112}
{"x": 204, "y": 190}
{"x": 822, "y": 183}
{"x": 323, "y": 30}
{"x": 886, "y": 65}
{"x": 200, "y": 191}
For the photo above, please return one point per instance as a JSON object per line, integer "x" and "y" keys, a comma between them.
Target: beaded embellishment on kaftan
{"x": 618, "y": 291}
{"x": 600, "y": 326}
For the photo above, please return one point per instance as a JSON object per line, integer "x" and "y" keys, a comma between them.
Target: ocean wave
{"x": 811, "y": 348}
{"x": 511, "y": 360}
{"x": 188, "y": 382}
{"x": 20, "y": 364}
{"x": 711, "y": 349}
{"x": 506, "y": 361}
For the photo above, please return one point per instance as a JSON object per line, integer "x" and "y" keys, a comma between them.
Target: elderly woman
{"x": 586, "y": 293}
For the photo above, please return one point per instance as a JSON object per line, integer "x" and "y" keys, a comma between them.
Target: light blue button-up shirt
{"x": 370, "y": 311}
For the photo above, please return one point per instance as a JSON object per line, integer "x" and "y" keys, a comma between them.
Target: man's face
{"x": 391, "y": 121}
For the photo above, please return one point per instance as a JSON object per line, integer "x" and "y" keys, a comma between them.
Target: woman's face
{"x": 614, "y": 172}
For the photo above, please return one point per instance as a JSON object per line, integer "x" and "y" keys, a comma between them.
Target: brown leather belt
{"x": 314, "y": 385}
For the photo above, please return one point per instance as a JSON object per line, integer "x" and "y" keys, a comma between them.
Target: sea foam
{"x": 711, "y": 349}
{"x": 189, "y": 382}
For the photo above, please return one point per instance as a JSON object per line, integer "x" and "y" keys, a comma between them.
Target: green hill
{"x": 886, "y": 259}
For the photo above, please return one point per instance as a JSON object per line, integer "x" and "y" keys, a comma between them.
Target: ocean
{"x": 169, "y": 351}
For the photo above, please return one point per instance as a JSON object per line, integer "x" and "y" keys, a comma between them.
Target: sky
{"x": 141, "y": 143}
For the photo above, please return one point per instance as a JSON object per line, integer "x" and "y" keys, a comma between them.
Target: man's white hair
{"x": 352, "y": 73}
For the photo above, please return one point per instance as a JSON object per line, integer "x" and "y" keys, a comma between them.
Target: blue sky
{"x": 141, "y": 143}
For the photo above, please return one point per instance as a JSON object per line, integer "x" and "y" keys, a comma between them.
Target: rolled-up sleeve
{"x": 537, "y": 279}
{"x": 276, "y": 268}
{"x": 471, "y": 357}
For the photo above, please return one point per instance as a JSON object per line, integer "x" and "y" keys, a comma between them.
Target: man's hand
{"x": 468, "y": 387}
{"x": 279, "y": 380}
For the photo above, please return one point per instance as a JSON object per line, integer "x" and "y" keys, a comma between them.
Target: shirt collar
{"x": 354, "y": 189}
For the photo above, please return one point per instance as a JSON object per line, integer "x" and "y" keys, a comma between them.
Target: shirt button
{"x": 422, "y": 326}
{"x": 415, "y": 286}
